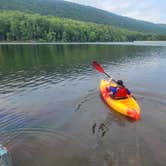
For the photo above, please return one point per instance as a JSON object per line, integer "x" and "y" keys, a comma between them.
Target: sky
{"x": 148, "y": 10}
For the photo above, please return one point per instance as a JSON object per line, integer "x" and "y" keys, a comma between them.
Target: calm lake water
{"x": 51, "y": 112}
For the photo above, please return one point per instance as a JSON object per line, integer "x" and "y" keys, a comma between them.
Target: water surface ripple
{"x": 51, "y": 112}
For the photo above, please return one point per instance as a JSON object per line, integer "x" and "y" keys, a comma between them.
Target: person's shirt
{"x": 114, "y": 90}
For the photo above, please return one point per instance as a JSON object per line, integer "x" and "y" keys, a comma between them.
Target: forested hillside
{"x": 19, "y": 26}
{"x": 65, "y": 9}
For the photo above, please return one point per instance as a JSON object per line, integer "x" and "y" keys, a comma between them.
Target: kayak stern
{"x": 128, "y": 106}
{"x": 133, "y": 114}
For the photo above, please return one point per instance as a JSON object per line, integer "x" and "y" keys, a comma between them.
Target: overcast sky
{"x": 148, "y": 10}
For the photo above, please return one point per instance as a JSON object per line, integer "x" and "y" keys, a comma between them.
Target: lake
{"x": 51, "y": 112}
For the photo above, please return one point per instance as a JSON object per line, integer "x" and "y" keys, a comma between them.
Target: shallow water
{"x": 51, "y": 112}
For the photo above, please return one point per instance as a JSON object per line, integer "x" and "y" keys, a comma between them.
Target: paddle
{"x": 99, "y": 68}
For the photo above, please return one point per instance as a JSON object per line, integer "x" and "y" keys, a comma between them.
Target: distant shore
{"x": 153, "y": 43}
{"x": 61, "y": 43}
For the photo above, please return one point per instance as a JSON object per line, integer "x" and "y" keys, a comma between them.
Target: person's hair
{"x": 120, "y": 82}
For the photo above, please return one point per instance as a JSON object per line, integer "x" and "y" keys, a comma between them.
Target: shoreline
{"x": 153, "y": 43}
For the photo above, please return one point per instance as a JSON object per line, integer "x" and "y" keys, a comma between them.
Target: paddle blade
{"x": 98, "y": 67}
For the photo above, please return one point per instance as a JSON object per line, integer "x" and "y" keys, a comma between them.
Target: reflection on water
{"x": 104, "y": 126}
{"x": 112, "y": 118}
{"x": 51, "y": 112}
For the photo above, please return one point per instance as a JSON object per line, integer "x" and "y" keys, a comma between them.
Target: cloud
{"x": 148, "y": 10}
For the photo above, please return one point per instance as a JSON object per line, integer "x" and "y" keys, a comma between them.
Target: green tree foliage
{"x": 19, "y": 26}
{"x": 60, "y": 8}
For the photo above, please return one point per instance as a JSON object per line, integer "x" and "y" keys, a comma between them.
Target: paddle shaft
{"x": 99, "y": 68}
{"x": 107, "y": 75}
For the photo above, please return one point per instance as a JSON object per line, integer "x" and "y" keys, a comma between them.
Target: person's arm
{"x": 112, "y": 90}
{"x": 110, "y": 80}
{"x": 128, "y": 92}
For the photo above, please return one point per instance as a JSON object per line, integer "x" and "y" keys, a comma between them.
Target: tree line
{"x": 20, "y": 26}
{"x": 66, "y": 9}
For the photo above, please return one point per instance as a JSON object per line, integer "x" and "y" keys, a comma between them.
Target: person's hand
{"x": 110, "y": 79}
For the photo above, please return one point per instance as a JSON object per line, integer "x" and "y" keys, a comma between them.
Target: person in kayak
{"x": 119, "y": 91}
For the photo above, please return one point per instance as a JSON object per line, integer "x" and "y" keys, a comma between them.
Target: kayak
{"x": 127, "y": 106}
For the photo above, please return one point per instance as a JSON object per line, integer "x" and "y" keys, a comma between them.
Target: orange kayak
{"x": 128, "y": 106}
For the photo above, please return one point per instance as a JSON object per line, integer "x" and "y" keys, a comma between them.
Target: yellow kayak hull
{"x": 128, "y": 106}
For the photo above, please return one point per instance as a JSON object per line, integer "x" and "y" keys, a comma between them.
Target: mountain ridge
{"x": 75, "y": 11}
